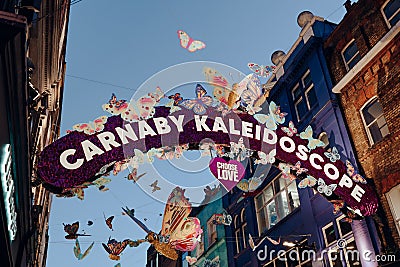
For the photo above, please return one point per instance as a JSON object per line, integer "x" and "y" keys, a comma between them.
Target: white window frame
{"x": 387, "y": 20}
{"x": 338, "y": 219}
{"x": 366, "y": 127}
{"x": 344, "y": 49}
{"x": 244, "y": 224}
{"x": 306, "y": 90}
{"x": 211, "y": 226}
{"x": 324, "y": 234}
{"x": 396, "y": 217}
{"x": 296, "y": 101}
{"x": 264, "y": 204}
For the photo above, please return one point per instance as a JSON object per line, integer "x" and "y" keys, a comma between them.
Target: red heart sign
{"x": 228, "y": 173}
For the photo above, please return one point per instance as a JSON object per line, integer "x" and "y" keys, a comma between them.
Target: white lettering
{"x": 285, "y": 140}
{"x": 314, "y": 156}
{"x": 90, "y": 150}
{"x": 357, "y": 193}
{"x": 162, "y": 125}
{"x": 246, "y": 129}
{"x": 66, "y": 164}
{"x": 330, "y": 166}
{"x": 178, "y": 122}
{"x": 219, "y": 125}
{"x": 201, "y": 123}
{"x": 124, "y": 134}
{"x": 107, "y": 139}
{"x": 145, "y": 129}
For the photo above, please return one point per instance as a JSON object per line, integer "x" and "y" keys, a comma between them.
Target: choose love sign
{"x": 228, "y": 173}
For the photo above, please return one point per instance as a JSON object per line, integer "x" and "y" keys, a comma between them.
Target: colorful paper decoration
{"x": 260, "y": 70}
{"x": 188, "y": 43}
{"x": 77, "y": 250}
{"x": 72, "y": 230}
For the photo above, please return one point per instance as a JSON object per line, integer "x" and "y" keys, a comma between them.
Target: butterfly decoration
{"x": 298, "y": 169}
{"x": 178, "y": 150}
{"x": 179, "y": 231}
{"x": 211, "y": 192}
{"x": 266, "y": 159}
{"x": 141, "y": 109}
{"x": 172, "y": 107}
{"x": 273, "y": 118}
{"x": 120, "y": 166}
{"x": 77, "y": 250}
{"x": 140, "y": 158}
{"x": 191, "y": 260}
{"x": 119, "y": 104}
{"x": 71, "y": 230}
{"x": 114, "y": 248}
{"x": 155, "y": 186}
{"x": 290, "y": 130}
{"x": 134, "y": 176}
{"x": 250, "y": 185}
{"x": 222, "y": 219}
{"x": 337, "y": 205}
{"x": 309, "y": 181}
{"x": 273, "y": 241}
{"x": 92, "y": 127}
{"x": 177, "y": 98}
{"x": 285, "y": 168}
{"x": 200, "y": 104}
{"x": 260, "y": 70}
{"x": 333, "y": 155}
{"x": 322, "y": 188}
{"x": 223, "y": 108}
{"x": 117, "y": 265}
{"x": 109, "y": 222}
{"x": 253, "y": 96}
{"x": 238, "y": 151}
{"x": 100, "y": 183}
{"x": 354, "y": 174}
{"x": 188, "y": 43}
{"x": 308, "y": 135}
{"x": 252, "y": 244}
{"x": 90, "y": 223}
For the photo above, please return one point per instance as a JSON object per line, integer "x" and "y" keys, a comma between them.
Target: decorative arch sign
{"x": 88, "y": 152}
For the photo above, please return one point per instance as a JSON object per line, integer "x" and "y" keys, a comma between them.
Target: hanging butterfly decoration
{"x": 90, "y": 223}
{"x": 337, "y": 205}
{"x": 200, "y": 104}
{"x": 297, "y": 167}
{"x": 354, "y": 174}
{"x": 273, "y": 118}
{"x": 325, "y": 189}
{"x": 114, "y": 248}
{"x": 309, "y": 181}
{"x": 285, "y": 169}
{"x": 253, "y": 96}
{"x": 172, "y": 107}
{"x": 77, "y": 250}
{"x": 120, "y": 166}
{"x": 179, "y": 231}
{"x": 308, "y": 135}
{"x": 238, "y": 151}
{"x": 266, "y": 158}
{"x": 155, "y": 186}
{"x": 211, "y": 192}
{"x": 222, "y": 219}
{"x": 72, "y": 230}
{"x": 250, "y": 185}
{"x": 109, "y": 221}
{"x": 92, "y": 127}
{"x": 290, "y": 130}
{"x": 134, "y": 176}
{"x": 260, "y": 70}
{"x": 188, "y": 43}
{"x": 142, "y": 109}
{"x": 191, "y": 260}
{"x": 333, "y": 155}
{"x": 101, "y": 182}
{"x": 177, "y": 98}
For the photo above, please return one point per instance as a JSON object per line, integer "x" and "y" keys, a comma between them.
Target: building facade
{"x": 292, "y": 218}
{"x": 364, "y": 60}
{"x": 32, "y": 66}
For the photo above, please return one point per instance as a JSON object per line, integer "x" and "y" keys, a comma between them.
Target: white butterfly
{"x": 308, "y": 135}
{"x": 333, "y": 155}
{"x": 253, "y": 97}
{"x": 266, "y": 159}
{"x": 325, "y": 189}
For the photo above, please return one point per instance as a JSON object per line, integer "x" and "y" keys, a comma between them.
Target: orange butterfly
{"x": 115, "y": 248}
{"x": 109, "y": 222}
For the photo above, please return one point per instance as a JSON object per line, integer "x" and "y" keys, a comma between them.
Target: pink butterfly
{"x": 285, "y": 168}
{"x": 188, "y": 43}
{"x": 92, "y": 127}
{"x": 309, "y": 181}
{"x": 261, "y": 70}
{"x": 354, "y": 174}
{"x": 298, "y": 169}
{"x": 291, "y": 130}
{"x": 201, "y": 103}
{"x": 191, "y": 260}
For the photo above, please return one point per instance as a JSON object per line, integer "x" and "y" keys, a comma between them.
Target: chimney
{"x": 347, "y": 5}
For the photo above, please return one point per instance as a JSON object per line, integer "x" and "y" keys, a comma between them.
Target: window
{"x": 304, "y": 96}
{"x": 200, "y": 247}
{"x": 275, "y": 202}
{"x": 374, "y": 121}
{"x": 241, "y": 233}
{"x": 351, "y": 55}
{"x": 391, "y": 12}
{"x": 393, "y": 197}
{"x": 211, "y": 232}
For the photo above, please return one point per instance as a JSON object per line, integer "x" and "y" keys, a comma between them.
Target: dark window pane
{"x": 296, "y": 93}
{"x": 336, "y": 259}
{"x": 279, "y": 263}
{"x": 372, "y": 111}
{"x": 395, "y": 19}
{"x": 345, "y": 227}
{"x": 354, "y": 61}
{"x": 330, "y": 235}
{"x": 301, "y": 108}
{"x": 350, "y": 51}
{"x": 311, "y": 96}
{"x": 307, "y": 80}
{"x": 391, "y": 8}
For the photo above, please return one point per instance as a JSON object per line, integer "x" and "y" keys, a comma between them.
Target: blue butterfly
{"x": 201, "y": 103}
{"x": 308, "y": 135}
{"x": 274, "y": 117}
{"x": 333, "y": 156}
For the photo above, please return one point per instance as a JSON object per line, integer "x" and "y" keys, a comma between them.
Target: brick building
{"x": 364, "y": 61}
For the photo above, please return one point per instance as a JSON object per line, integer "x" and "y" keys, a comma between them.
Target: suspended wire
{"x": 51, "y": 14}
{"x": 100, "y": 82}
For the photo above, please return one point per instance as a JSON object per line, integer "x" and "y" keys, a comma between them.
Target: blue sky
{"x": 126, "y": 42}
